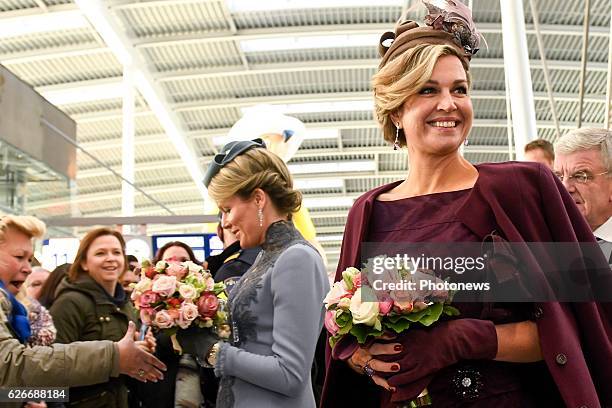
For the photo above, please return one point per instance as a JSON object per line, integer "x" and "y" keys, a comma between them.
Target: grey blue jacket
{"x": 277, "y": 316}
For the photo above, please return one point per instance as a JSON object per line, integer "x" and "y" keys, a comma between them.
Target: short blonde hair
{"x": 257, "y": 168}
{"x": 30, "y": 226}
{"x": 403, "y": 77}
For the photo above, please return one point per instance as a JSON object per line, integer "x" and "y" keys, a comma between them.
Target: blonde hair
{"x": 30, "y": 226}
{"x": 403, "y": 77}
{"x": 257, "y": 168}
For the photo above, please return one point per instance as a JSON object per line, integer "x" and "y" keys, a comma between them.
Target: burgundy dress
{"x": 432, "y": 218}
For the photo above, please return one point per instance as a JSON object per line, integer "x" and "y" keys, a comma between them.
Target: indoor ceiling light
{"x": 304, "y": 42}
{"x": 42, "y": 23}
{"x": 332, "y": 167}
{"x": 80, "y": 94}
{"x": 318, "y": 133}
{"x": 250, "y": 5}
{"x": 320, "y": 202}
{"x": 328, "y": 238}
{"x": 305, "y": 184}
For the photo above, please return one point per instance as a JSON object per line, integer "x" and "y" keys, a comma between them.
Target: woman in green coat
{"x": 91, "y": 304}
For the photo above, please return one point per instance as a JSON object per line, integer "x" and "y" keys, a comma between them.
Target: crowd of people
{"x": 76, "y": 326}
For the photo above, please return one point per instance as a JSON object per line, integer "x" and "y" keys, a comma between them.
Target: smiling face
{"x": 240, "y": 217}
{"x": 593, "y": 198}
{"x": 16, "y": 253}
{"x": 439, "y": 117}
{"x": 105, "y": 260}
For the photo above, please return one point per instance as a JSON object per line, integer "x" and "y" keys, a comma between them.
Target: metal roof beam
{"x": 111, "y": 31}
{"x": 337, "y": 29}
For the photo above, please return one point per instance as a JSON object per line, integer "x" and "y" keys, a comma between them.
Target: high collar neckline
{"x": 279, "y": 234}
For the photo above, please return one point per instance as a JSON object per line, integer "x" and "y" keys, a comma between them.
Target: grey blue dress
{"x": 277, "y": 316}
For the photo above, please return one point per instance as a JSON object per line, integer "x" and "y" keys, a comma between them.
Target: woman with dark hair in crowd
{"x": 91, "y": 304}
{"x": 502, "y": 355}
{"x": 47, "y": 292}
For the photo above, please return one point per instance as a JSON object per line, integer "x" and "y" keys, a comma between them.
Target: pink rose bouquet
{"x": 174, "y": 296}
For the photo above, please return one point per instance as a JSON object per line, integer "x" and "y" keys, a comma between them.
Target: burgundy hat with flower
{"x": 448, "y": 22}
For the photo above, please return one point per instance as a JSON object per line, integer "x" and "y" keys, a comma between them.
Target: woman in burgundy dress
{"x": 503, "y": 355}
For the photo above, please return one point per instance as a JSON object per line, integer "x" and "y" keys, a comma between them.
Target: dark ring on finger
{"x": 368, "y": 370}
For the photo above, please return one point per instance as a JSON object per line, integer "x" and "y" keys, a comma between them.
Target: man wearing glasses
{"x": 583, "y": 162}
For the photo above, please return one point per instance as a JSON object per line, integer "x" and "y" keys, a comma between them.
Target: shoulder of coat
{"x": 5, "y": 306}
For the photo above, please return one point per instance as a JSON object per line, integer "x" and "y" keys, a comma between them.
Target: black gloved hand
{"x": 197, "y": 341}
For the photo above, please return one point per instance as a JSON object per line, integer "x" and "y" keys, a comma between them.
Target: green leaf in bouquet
{"x": 377, "y": 325}
{"x": 333, "y": 340}
{"x": 219, "y": 288}
{"x": 344, "y": 319}
{"x": 345, "y": 329}
{"x": 348, "y": 280}
{"x": 451, "y": 311}
{"x": 362, "y": 332}
{"x": 435, "y": 311}
{"x": 398, "y": 326}
{"x": 145, "y": 264}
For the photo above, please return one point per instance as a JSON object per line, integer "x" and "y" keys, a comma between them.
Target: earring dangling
{"x": 260, "y": 216}
{"x": 466, "y": 142}
{"x": 396, "y": 144}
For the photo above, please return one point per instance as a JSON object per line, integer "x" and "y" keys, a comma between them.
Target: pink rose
{"x": 164, "y": 285}
{"x": 330, "y": 322}
{"x": 385, "y": 304}
{"x": 187, "y": 313}
{"x": 148, "y": 298}
{"x": 208, "y": 305}
{"x": 163, "y": 320}
{"x": 357, "y": 281}
{"x": 176, "y": 269}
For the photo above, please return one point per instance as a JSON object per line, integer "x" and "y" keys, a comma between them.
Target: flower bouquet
{"x": 173, "y": 296}
{"x": 356, "y": 311}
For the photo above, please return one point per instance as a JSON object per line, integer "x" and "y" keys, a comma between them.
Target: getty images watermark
{"x": 497, "y": 271}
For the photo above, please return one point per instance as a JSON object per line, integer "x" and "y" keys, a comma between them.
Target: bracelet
{"x": 211, "y": 357}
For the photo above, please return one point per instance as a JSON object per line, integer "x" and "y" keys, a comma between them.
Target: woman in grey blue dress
{"x": 276, "y": 308}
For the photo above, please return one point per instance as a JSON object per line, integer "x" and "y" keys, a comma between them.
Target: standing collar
{"x": 281, "y": 234}
{"x": 604, "y": 231}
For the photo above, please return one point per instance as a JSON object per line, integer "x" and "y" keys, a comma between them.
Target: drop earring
{"x": 260, "y": 216}
{"x": 466, "y": 142}
{"x": 396, "y": 144}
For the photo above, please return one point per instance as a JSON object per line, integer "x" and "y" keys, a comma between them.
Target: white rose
{"x": 187, "y": 291}
{"x": 160, "y": 266}
{"x": 192, "y": 267}
{"x": 364, "y": 312}
{"x": 210, "y": 284}
{"x": 143, "y": 285}
{"x": 164, "y": 285}
{"x": 163, "y": 320}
